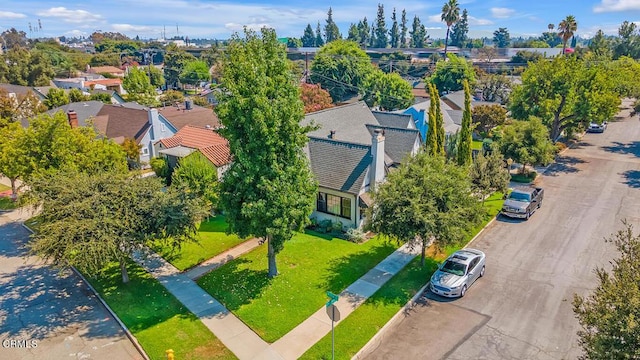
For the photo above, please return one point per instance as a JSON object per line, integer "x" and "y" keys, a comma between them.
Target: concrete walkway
{"x": 237, "y": 336}
{"x": 221, "y": 259}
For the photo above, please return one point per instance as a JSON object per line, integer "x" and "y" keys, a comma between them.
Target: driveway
{"x": 45, "y": 314}
{"x": 522, "y": 308}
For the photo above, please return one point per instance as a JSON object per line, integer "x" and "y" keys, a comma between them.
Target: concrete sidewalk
{"x": 221, "y": 259}
{"x": 237, "y": 336}
{"x": 233, "y": 333}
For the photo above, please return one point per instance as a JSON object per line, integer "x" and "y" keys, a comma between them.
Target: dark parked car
{"x": 522, "y": 202}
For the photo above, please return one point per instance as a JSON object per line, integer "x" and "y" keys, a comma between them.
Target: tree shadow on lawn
{"x": 632, "y": 178}
{"x": 564, "y": 165}
{"x": 235, "y": 286}
{"x": 345, "y": 270}
{"x": 632, "y": 148}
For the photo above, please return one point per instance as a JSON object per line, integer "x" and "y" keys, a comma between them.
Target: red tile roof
{"x": 105, "y": 82}
{"x": 213, "y": 146}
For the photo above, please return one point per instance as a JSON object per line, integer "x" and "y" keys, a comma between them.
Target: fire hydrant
{"x": 169, "y": 354}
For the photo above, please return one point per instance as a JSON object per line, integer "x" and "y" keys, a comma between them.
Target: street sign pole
{"x": 334, "y": 314}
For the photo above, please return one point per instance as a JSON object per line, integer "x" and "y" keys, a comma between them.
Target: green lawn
{"x": 476, "y": 145}
{"x": 309, "y": 265}
{"x": 4, "y": 187}
{"x": 357, "y": 329}
{"x": 7, "y": 204}
{"x": 156, "y": 318}
{"x": 212, "y": 241}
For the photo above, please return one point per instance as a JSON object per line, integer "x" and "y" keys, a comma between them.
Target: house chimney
{"x": 73, "y": 119}
{"x": 332, "y": 134}
{"x": 376, "y": 170}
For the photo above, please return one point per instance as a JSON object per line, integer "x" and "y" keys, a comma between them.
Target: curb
{"x": 408, "y": 306}
{"x": 132, "y": 338}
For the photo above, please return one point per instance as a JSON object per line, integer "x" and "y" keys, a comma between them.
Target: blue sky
{"x": 218, "y": 19}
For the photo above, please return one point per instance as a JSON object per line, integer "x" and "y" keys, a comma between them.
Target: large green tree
{"x": 194, "y": 72}
{"x": 364, "y": 32}
{"x": 196, "y": 176}
{"x": 174, "y": 63}
{"x": 418, "y": 33}
{"x": 567, "y": 27}
{"x": 381, "y": 29}
{"x": 137, "y": 82}
{"x": 527, "y": 143}
{"x": 308, "y": 38}
{"x": 487, "y": 117}
{"x": 341, "y": 68}
{"x": 488, "y": 173}
{"x": 387, "y": 91}
{"x": 465, "y": 140}
{"x": 89, "y": 220}
{"x": 609, "y": 315}
{"x": 566, "y": 94}
{"x": 26, "y": 67}
{"x": 494, "y": 87}
{"x": 331, "y": 30}
{"x": 403, "y": 29}
{"x": 460, "y": 30}
{"x": 501, "y": 38}
{"x": 268, "y": 191}
{"x": 425, "y": 199}
{"x": 450, "y": 74}
{"x": 12, "y": 154}
{"x": 56, "y": 97}
{"x": 450, "y": 15}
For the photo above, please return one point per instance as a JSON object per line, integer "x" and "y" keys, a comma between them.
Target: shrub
{"x": 524, "y": 178}
{"x": 337, "y": 227}
{"x": 325, "y": 226}
{"x": 560, "y": 146}
{"x": 161, "y": 168}
{"x": 355, "y": 235}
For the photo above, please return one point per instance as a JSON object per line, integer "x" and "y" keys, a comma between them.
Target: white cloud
{"x": 479, "y": 22}
{"x": 617, "y": 6}
{"x": 434, "y": 18}
{"x": 502, "y": 13}
{"x": 11, "y": 15}
{"x": 235, "y": 27}
{"x": 76, "y": 33}
{"x": 124, "y": 28}
{"x": 70, "y": 16}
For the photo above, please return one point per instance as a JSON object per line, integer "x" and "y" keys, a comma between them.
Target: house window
{"x": 335, "y": 205}
{"x": 145, "y": 151}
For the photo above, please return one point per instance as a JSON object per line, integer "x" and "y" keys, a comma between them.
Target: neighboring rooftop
{"x": 198, "y": 116}
{"x": 213, "y": 146}
{"x": 398, "y": 143}
{"x": 348, "y": 121}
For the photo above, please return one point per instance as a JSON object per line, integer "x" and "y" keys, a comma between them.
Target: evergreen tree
{"x": 331, "y": 31}
{"x": 372, "y": 37}
{"x": 441, "y": 139}
{"x": 268, "y": 191}
{"x": 363, "y": 32}
{"x": 394, "y": 33}
{"x": 418, "y": 33}
{"x": 501, "y": 38}
{"x": 403, "y": 29}
{"x": 431, "y": 144}
{"x": 460, "y": 30}
{"x": 319, "y": 40}
{"x": 464, "y": 142}
{"x": 354, "y": 33}
{"x": 381, "y": 29}
{"x": 308, "y": 38}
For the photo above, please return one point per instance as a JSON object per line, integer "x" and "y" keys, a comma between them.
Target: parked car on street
{"x": 522, "y": 202}
{"x": 597, "y": 128}
{"x": 456, "y": 274}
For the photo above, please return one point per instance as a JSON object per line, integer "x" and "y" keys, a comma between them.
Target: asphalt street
{"x": 522, "y": 307}
{"x": 47, "y": 314}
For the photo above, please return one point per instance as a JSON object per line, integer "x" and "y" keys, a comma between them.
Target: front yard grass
{"x": 309, "y": 265}
{"x": 212, "y": 241}
{"x": 4, "y": 187}
{"x": 156, "y": 318}
{"x": 7, "y": 204}
{"x": 356, "y": 330}
{"x": 476, "y": 145}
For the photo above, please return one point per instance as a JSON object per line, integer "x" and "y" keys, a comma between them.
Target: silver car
{"x": 456, "y": 274}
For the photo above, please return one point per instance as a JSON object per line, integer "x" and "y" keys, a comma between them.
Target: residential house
{"x": 189, "y": 114}
{"x": 109, "y": 70}
{"x": 452, "y": 119}
{"x": 190, "y": 139}
{"x": 123, "y": 121}
{"x": 90, "y": 82}
{"x": 353, "y": 149}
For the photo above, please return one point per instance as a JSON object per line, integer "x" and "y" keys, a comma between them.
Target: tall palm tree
{"x": 450, "y": 15}
{"x": 566, "y": 29}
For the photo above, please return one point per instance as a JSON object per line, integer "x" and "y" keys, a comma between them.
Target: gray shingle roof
{"x": 85, "y": 110}
{"x": 398, "y": 143}
{"x": 339, "y": 165}
{"x": 396, "y": 120}
{"x": 349, "y": 122}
